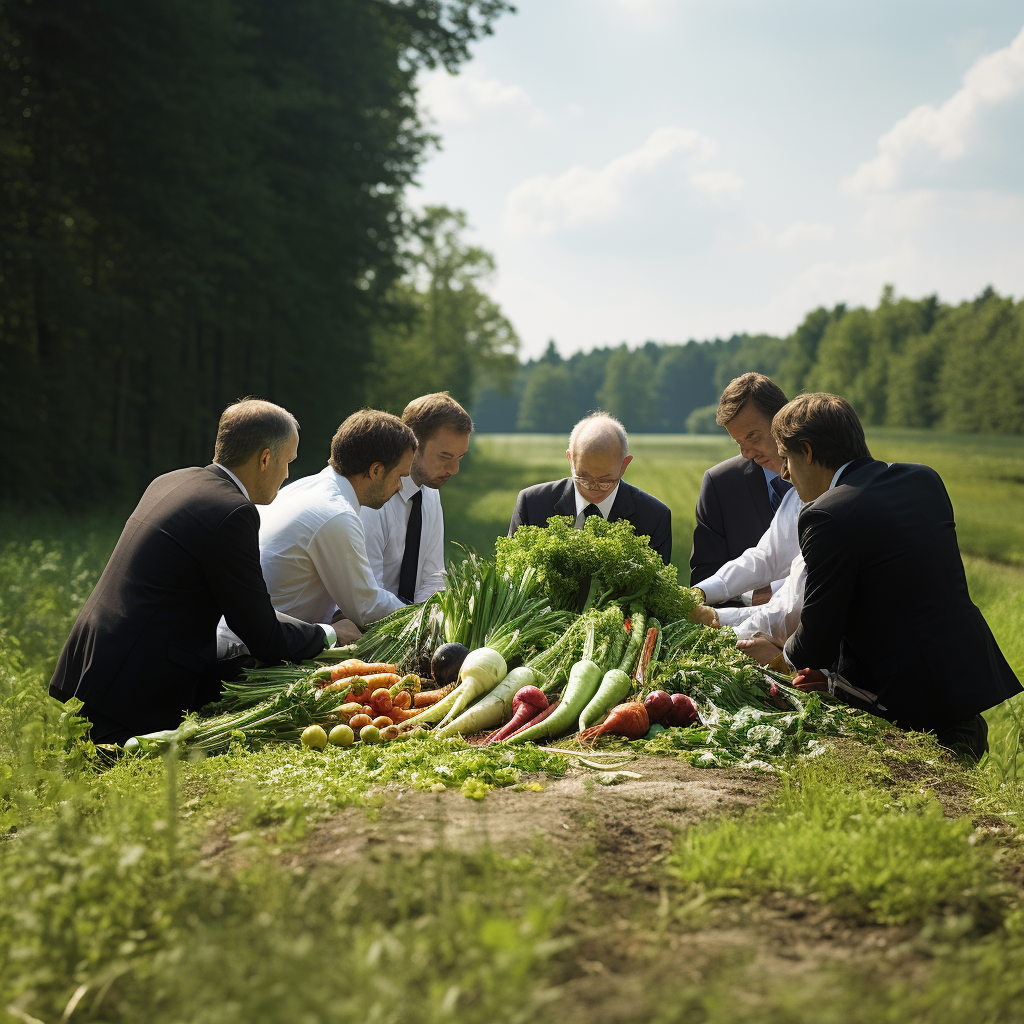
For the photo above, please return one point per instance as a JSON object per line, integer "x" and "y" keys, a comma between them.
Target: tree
{"x": 628, "y": 391}
{"x": 447, "y": 334}
{"x": 685, "y": 380}
{"x": 543, "y": 408}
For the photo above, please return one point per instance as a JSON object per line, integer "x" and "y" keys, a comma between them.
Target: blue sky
{"x": 669, "y": 169}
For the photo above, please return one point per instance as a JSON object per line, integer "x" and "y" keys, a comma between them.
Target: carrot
{"x": 399, "y": 715}
{"x": 355, "y": 667}
{"x": 536, "y": 720}
{"x": 380, "y": 700}
{"x": 645, "y": 656}
{"x": 629, "y": 720}
{"x": 427, "y": 698}
{"x": 526, "y": 705}
{"x": 402, "y": 699}
{"x": 378, "y": 679}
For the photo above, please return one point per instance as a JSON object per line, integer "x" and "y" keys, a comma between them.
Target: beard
{"x": 375, "y": 496}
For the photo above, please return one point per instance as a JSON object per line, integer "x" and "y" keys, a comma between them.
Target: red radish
{"x": 629, "y": 720}
{"x": 683, "y": 712}
{"x": 536, "y": 720}
{"x": 658, "y": 704}
{"x": 526, "y": 705}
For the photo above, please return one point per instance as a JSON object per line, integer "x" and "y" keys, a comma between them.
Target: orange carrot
{"x": 426, "y": 698}
{"x": 355, "y": 667}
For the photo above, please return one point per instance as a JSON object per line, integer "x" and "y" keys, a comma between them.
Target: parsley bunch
{"x": 608, "y": 558}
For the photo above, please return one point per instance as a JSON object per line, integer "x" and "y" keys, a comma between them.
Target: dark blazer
{"x": 650, "y": 517}
{"x": 886, "y": 599}
{"x": 144, "y": 648}
{"x": 733, "y": 512}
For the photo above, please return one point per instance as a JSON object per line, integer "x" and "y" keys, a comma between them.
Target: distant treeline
{"x": 906, "y": 363}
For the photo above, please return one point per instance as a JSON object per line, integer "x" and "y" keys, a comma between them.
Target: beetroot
{"x": 683, "y": 711}
{"x": 658, "y": 704}
{"x": 629, "y": 720}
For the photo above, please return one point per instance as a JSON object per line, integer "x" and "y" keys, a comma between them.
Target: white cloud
{"x": 473, "y": 98}
{"x": 946, "y": 134}
{"x": 804, "y": 231}
{"x": 581, "y": 196}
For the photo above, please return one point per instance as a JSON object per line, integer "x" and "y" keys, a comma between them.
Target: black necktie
{"x": 779, "y": 487}
{"x": 411, "y": 558}
{"x": 590, "y": 510}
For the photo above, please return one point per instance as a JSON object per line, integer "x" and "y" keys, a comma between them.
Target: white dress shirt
{"x": 604, "y": 506}
{"x": 767, "y": 561}
{"x": 384, "y": 530}
{"x": 229, "y": 645}
{"x": 314, "y": 556}
{"x": 780, "y": 616}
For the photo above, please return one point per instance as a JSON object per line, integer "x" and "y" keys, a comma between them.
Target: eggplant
{"x": 446, "y": 662}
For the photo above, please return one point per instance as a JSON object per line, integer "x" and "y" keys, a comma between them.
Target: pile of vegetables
{"x": 502, "y": 658}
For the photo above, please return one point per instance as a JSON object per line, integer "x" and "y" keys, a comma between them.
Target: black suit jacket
{"x": 733, "y": 512}
{"x": 650, "y": 517}
{"x": 885, "y": 532}
{"x": 144, "y": 647}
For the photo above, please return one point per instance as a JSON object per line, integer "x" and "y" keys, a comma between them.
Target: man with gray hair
{"x": 144, "y": 648}
{"x": 598, "y": 455}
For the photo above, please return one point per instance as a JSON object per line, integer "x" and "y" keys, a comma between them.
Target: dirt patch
{"x": 633, "y": 819}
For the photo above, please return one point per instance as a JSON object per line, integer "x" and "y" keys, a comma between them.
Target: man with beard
{"x": 405, "y": 538}
{"x": 312, "y": 547}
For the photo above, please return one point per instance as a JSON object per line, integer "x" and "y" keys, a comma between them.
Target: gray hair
{"x": 250, "y": 426}
{"x": 598, "y": 431}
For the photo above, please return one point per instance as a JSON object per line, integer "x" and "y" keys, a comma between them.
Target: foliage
{"x": 606, "y": 557}
{"x": 225, "y": 186}
{"x": 905, "y": 363}
{"x": 446, "y": 334}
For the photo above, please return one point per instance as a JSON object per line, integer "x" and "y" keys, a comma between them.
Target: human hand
{"x": 705, "y": 616}
{"x": 348, "y": 632}
{"x": 761, "y": 596}
{"x": 808, "y": 679}
{"x": 761, "y": 647}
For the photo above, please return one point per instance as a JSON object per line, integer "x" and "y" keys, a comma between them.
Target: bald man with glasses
{"x": 598, "y": 455}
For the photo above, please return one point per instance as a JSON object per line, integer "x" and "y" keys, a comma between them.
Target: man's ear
{"x": 376, "y": 471}
{"x": 625, "y": 462}
{"x": 808, "y": 453}
{"x": 265, "y": 458}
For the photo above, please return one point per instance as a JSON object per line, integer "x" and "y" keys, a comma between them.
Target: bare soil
{"x": 633, "y": 820}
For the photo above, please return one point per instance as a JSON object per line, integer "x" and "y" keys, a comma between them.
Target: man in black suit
{"x": 598, "y": 455}
{"x": 873, "y": 528}
{"x": 144, "y": 648}
{"x": 738, "y": 498}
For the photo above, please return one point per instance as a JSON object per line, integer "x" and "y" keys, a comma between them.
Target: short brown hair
{"x": 248, "y": 427}
{"x": 826, "y": 423}
{"x": 370, "y": 436}
{"x": 750, "y": 387}
{"x": 427, "y": 414}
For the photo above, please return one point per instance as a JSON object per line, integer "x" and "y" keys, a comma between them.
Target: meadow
{"x": 868, "y": 884}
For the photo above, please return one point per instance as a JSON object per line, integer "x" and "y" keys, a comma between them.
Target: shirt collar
{"x": 769, "y": 474}
{"x": 348, "y": 492}
{"x": 238, "y": 482}
{"x": 839, "y": 473}
{"x": 409, "y": 488}
{"x": 605, "y": 504}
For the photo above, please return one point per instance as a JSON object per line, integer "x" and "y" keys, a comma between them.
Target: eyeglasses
{"x": 593, "y": 485}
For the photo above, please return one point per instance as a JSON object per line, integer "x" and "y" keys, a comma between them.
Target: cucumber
{"x": 613, "y": 690}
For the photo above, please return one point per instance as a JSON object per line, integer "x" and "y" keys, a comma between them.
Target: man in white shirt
{"x": 405, "y": 538}
{"x": 312, "y": 547}
{"x": 774, "y": 560}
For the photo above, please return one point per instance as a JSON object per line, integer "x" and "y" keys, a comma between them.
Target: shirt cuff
{"x": 715, "y": 590}
{"x": 785, "y": 654}
{"x": 330, "y": 637}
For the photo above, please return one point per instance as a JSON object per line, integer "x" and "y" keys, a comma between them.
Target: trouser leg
{"x": 968, "y": 740}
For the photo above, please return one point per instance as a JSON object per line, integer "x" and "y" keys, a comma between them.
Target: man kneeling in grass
{"x": 873, "y": 530}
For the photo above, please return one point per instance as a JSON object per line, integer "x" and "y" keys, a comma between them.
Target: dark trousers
{"x": 968, "y": 740}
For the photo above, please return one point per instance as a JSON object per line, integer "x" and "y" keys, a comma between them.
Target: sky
{"x": 674, "y": 169}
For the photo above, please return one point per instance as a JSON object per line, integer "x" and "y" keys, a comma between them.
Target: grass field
{"x": 281, "y": 885}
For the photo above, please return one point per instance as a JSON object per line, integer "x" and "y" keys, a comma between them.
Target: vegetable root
{"x": 629, "y": 720}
